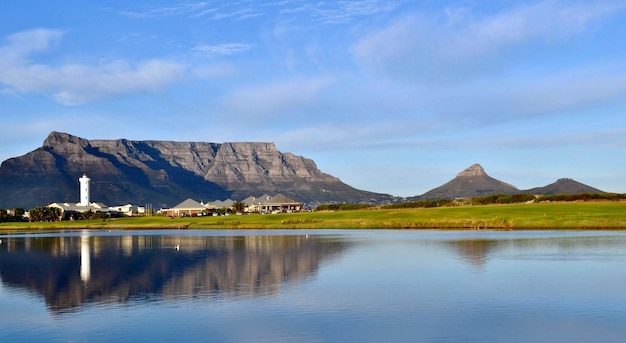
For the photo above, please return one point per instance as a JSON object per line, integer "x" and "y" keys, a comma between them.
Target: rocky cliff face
{"x": 164, "y": 173}
{"x": 473, "y": 170}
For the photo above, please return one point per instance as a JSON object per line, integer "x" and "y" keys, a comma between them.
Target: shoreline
{"x": 604, "y": 215}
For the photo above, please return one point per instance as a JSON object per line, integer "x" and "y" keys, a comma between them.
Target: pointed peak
{"x": 473, "y": 170}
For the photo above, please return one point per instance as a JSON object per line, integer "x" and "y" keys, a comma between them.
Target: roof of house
{"x": 280, "y": 199}
{"x": 263, "y": 199}
{"x": 225, "y": 203}
{"x": 250, "y": 200}
{"x": 188, "y": 204}
{"x": 78, "y": 208}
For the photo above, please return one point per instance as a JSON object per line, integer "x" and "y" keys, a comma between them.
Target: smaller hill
{"x": 472, "y": 182}
{"x": 563, "y": 186}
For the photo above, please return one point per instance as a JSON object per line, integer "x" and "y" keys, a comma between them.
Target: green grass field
{"x": 569, "y": 215}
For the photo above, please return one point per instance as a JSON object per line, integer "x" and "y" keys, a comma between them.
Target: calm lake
{"x": 314, "y": 286}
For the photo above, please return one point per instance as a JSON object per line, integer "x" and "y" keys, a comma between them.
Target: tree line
{"x": 341, "y": 207}
{"x": 16, "y": 215}
{"x": 492, "y": 199}
{"x": 44, "y": 214}
{"x": 495, "y": 199}
{"x": 49, "y": 214}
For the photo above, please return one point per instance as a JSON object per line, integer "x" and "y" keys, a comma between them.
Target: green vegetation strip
{"x": 567, "y": 215}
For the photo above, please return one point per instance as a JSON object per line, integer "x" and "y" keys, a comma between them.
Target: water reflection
{"x": 279, "y": 286}
{"x": 474, "y": 251}
{"x": 565, "y": 245}
{"x": 71, "y": 271}
{"x": 85, "y": 258}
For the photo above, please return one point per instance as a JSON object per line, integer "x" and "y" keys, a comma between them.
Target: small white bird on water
{"x": 177, "y": 247}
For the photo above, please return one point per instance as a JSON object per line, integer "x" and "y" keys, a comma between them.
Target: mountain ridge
{"x": 471, "y": 182}
{"x": 474, "y": 182}
{"x": 164, "y": 173}
{"x": 563, "y": 186}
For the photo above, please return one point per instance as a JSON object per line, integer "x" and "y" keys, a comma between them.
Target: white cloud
{"x": 270, "y": 101}
{"x": 214, "y": 11}
{"x": 574, "y": 89}
{"x": 458, "y": 43}
{"x": 346, "y": 11}
{"x": 328, "y": 12}
{"x": 74, "y": 83}
{"x": 24, "y": 43}
{"x": 237, "y": 14}
{"x": 585, "y": 138}
{"x": 168, "y": 11}
{"x": 226, "y": 49}
{"x": 456, "y": 74}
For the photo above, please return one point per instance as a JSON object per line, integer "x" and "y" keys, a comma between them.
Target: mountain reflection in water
{"x": 477, "y": 251}
{"x": 331, "y": 286}
{"x": 70, "y": 271}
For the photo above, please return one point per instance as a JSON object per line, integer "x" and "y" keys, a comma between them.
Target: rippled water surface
{"x": 314, "y": 286}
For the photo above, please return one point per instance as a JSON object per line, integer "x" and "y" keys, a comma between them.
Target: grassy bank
{"x": 571, "y": 215}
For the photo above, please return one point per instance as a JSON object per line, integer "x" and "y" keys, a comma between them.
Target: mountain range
{"x": 164, "y": 173}
{"x": 474, "y": 182}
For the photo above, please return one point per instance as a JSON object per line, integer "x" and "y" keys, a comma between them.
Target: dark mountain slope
{"x": 163, "y": 173}
{"x": 563, "y": 186}
{"x": 472, "y": 182}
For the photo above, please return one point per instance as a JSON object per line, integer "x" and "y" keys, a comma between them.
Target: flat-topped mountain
{"x": 163, "y": 173}
{"x": 471, "y": 182}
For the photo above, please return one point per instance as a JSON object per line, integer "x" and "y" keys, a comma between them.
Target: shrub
{"x": 341, "y": 207}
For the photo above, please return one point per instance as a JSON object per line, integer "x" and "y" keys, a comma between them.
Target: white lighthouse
{"x": 84, "y": 190}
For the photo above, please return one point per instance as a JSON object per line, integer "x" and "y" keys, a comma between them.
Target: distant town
{"x": 85, "y": 208}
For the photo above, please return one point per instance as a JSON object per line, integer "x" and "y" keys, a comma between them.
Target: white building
{"x": 84, "y": 190}
{"x": 129, "y": 209}
{"x": 72, "y": 211}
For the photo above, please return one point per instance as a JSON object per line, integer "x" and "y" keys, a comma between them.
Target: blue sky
{"x": 390, "y": 96}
